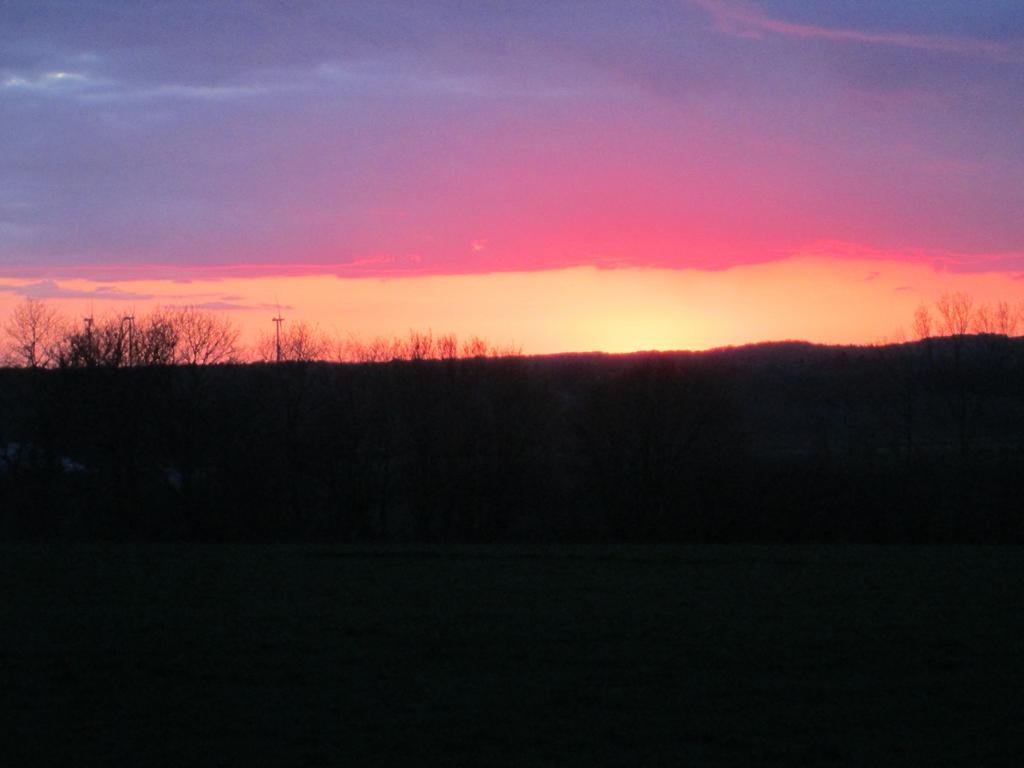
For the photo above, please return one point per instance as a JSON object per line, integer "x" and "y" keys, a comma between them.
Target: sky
{"x": 566, "y": 175}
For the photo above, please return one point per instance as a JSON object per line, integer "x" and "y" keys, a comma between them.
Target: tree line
{"x": 916, "y": 441}
{"x": 36, "y": 335}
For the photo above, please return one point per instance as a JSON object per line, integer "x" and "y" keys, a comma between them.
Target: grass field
{"x": 130, "y": 654}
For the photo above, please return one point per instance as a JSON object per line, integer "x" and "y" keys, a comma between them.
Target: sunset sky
{"x": 566, "y": 175}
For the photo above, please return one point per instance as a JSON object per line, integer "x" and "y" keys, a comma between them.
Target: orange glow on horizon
{"x": 819, "y": 299}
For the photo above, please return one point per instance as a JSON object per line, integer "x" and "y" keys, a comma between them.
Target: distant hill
{"x": 921, "y": 441}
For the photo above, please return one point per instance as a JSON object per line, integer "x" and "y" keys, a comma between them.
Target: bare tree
{"x": 956, "y": 314}
{"x": 1006, "y": 319}
{"x": 349, "y": 350}
{"x": 300, "y": 342}
{"x": 998, "y": 319}
{"x": 33, "y": 332}
{"x": 447, "y": 346}
{"x": 204, "y": 338}
{"x": 265, "y": 348}
{"x": 379, "y": 349}
{"x": 305, "y": 342}
{"x": 508, "y": 350}
{"x": 155, "y": 342}
{"x": 419, "y": 346}
{"x": 475, "y": 346}
{"x": 102, "y": 342}
{"x": 374, "y": 351}
{"x": 120, "y": 341}
{"x": 984, "y": 320}
{"x": 922, "y": 322}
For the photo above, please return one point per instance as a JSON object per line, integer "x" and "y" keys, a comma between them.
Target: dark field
{"x": 135, "y": 654}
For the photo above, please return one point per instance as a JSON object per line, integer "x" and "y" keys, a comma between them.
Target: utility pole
{"x": 277, "y": 323}
{"x": 130, "y": 319}
{"x": 90, "y": 350}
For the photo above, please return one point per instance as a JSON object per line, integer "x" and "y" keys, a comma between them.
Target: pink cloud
{"x": 940, "y": 260}
{"x": 657, "y": 253}
{"x": 744, "y": 20}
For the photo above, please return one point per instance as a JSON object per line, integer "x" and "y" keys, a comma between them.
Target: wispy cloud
{"x": 90, "y": 87}
{"x": 206, "y": 93}
{"x": 939, "y": 259}
{"x": 234, "y": 306}
{"x": 366, "y": 75}
{"x": 45, "y": 275}
{"x": 746, "y": 20}
{"x": 54, "y": 82}
{"x": 49, "y": 289}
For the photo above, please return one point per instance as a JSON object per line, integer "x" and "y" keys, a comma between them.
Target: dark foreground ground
{"x": 276, "y": 655}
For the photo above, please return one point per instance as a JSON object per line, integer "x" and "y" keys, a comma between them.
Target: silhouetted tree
{"x": 956, "y": 314}
{"x": 419, "y": 346}
{"x": 154, "y": 340}
{"x": 922, "y": 322}
{"x": 204, "y": 338}
{"x": 300, "y": 342}
{"x": 998, "y": 319}
{"x": 379, "y": 349}
{"x": 447, "y": 346}
{"x": 100, "y": 343}
{"x": 475, "y": 346}
{"x": 32, "y": 334}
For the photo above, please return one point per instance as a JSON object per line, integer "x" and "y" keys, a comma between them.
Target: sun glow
{"x": 819, "y": 299}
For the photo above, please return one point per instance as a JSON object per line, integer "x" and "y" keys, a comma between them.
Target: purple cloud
{"x": 745, "y": 20}
{"x": 48, "y": 289}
